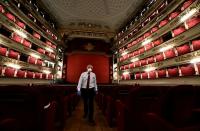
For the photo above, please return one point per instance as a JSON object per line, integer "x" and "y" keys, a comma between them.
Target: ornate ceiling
{"x": 91, "y": 15}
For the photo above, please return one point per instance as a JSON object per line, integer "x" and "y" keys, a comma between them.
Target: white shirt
{"x": 83, "y": 81}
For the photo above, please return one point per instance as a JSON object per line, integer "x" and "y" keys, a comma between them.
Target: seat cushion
{"x": 172, "y": 72}
{"x": 183, "y": 49}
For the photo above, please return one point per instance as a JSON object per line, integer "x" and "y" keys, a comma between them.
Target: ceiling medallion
{"x": 89, "y": 47}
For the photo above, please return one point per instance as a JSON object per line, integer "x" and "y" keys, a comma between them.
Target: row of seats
{"x": 17, "y": 73}
{"x": 36, "y": 107}
{"x": 182, "y": 70}
{"x": 190, "y": 23}
{"x": 151, "y": 108}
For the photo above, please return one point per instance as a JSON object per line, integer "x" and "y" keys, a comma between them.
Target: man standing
{"x": 87, "y": 88}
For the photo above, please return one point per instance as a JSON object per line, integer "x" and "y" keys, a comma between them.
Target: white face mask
{"x": 89, "y": 69}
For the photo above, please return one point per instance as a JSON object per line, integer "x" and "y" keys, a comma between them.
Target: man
{"x": 87, "y": 88}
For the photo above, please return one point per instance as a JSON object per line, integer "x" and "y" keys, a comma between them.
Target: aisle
{"x": 77, "y": 123}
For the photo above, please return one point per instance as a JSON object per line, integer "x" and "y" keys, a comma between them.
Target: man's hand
{"x": 79, "y": 93}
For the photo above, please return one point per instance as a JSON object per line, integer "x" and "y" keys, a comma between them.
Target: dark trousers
{"x": 88, "y": 99}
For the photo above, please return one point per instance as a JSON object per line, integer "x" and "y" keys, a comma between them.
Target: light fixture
{"x": 188, "y": 15}
{"x": 146, "y": 41}
{"x": 35, "y": 55}
{"x": 149, "y": 69}
{"x": 134, "y": 59}
{"x": 46, "y": 71}
{"x": 195, "y": 60}
{"x": 16, "y": 66}
{"x": 20, "y": 33}
{"x": 124, "y": 53}
{"x": 166, "y": 48}
{"x": 126, "y": 73}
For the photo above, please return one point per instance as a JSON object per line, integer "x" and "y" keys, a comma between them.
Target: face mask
{"x": 89, "y": 69}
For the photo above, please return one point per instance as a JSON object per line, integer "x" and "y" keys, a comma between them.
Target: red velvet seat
{"x": 39, "y": 62}
{"x": 121, "y": 59}
{"x": 21, "y": 74}
{"x": 183, "y": 49}
{"x": 173, "y": 15}
{"x": 38, "y": 75}
{"x": 193, "y": 21}
{"x": 131, "y": 65}
{"x": 178, "y": 31}
{"x": 186, "y": 4}
{"x": 187, "y": 70}
{"x": 124, "y": 57}
{"x": 21, "y": 24}
{"x": 50, "y": 76}
{"x": 161, "y": 73}
{"x": 140, "y": 39}
{"x": 143, "y": 62}
{"x": 32, "y": 60}
{"x": 147, "y": 34}
{"x": 36, "y": 35}
{"x": 172, "y": 72}
{"x": 154, "y": 29}
{"x": 17, "y": 38}
{"x": 141, "y": 50}
{"x": 196, "y": 44}
{"x": 137, "y": 76}
{"x": 30, "y": 74}
{"x": 126, "y": 67}
{"x": 53, "y": 46}
{"x": 144, "y": 75}
{"x": 136, "y": 52}
{"x": 157, "y": 42}
{"x": 2, "y": 9}
{"x": 3, "y": 51}
{"x": 134, "y": 42}
{"x": 121, "y": 67}
{"x": 48, "y": 43}
{"x": 152, "y": 74}
{"x": 150, "y": 60}
{"x": 137, "y": 63}
{"x": 44, "y": 76}
{"x": 9, "y": 72}
{"x": 163, "y": 23}
{"x": 169, "y": 53}
{"x": 13, "y": 54}
{"x": 53, "y": 56}
{"x": 148, "y": 46}
{"x": 198, "y": 66}
{"x": 159, "y": 57}
{"x": 10, "y": 16}
{"x": 27, "y": 43}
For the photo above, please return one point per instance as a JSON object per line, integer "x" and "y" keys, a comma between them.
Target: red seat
{"x": 30, "y": 74}
{"x": 48, "y": 43}
{"x": 159, "y": 57}
{"x": 134, "y": 42}
{"x": 32, "y": 60}
{"x": 169, "y": 53}
{"x": 36, "y": 35}
{"x": 183, "y": 49}
{"x": 17, "y": 38}
{"x": 53, "y": 56}
{"x": 148, "y": 46}
{"x": 121, "y": 59}
{"x": 136, "y": 53}
{"x": 21, "y": 74}
{"x": 173, "y": 15}
{"x": 137, "y": 76}
{"x": 193, "y": 21}
{"x": 161, "y": 73}
{"x": 124, "y": 57}
{"x": 9, "y": 72}
{"x": 2, "y": 9}
{"x": 44, "y": 76}
{"x": 126, "y": 67}
{"x": 140, "y": 39}
{"x": 39, "y": 62}
{"x": 13, "y": 54}
{"x": 187, "y": 70}
{"x": 40, "y": 50}
{"x": 144, "y": 75}
{"x": 10, "y": 16}
{"x": 38, "y": 75}
{"x": 131, "y": 65}
{"x": 3, "y": 51}
{"x": 178, "y": 31}
{"x": 137, "y": 63}
{"x": 150, "y": 60}
{"x": 157, "y": 42}
{"x": 27, "y": 43}
{"x": 152, "y": 74}
{"x": 121, "y": 67}
{"x": 147, "y": 34}
{"x": 186, "y": 4}
{"x": 198, "y": 66}
{"x": 154, "y": 29}
{"x": 143, "y": 62}
{"x": 53, "y": 46}
{"x": 141, "y": 50}
{"x": 173, "y": 72}
{"x": 162, "y": 23}
{"x": 50, "y": 76}
{"x": 21, "y": 24}
{"x": 196, "y": 44}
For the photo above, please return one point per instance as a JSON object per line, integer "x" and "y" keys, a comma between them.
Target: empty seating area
{"x": 36, "y": 107}
{"x": 151, "y": 108}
